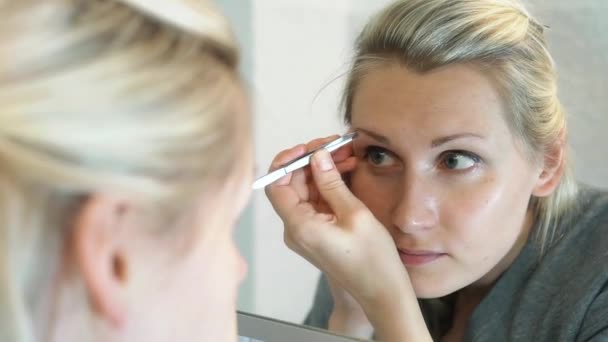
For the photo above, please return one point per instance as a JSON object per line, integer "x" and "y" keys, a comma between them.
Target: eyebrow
{"x": 375, "y": 136}
{"x": 440, "y": 141}
{"x": 436, "y": 142}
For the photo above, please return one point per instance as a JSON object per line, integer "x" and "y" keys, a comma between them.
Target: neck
{"x": 72, "y": 318}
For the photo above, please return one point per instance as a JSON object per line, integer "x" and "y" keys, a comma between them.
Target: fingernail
{"x": 283, "y": 181}
{"x": 299, "y": 147}
{"x": 324, "y": 161}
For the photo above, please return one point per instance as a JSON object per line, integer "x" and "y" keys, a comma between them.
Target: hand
{"x": 347, "y": 316}
{"x": 329, "y": 226}
{"x": 326, "y": 224}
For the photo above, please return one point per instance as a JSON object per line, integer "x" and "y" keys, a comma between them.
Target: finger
{"x": 343, "y": 153}
{"x": 287, "y": 155}
{"x": 283, "y": 158}
{"x": 293, "y": 188}
{"x": 299, "y": 182}
{"x": 348, "y": 165}
{"x": 331, "y": 186}
{"x": 343, "y": 157}
{"x": 316, "y": 143}
{"x": 323, "y": 208}
{"x": 285, "y": 199}
{"x": 282, "y": 197}
{"x": 295, "y": 152}
{"x": 316, "y": 199}
{"x": 313, "y": 193}
{"x": 344, "y": 168}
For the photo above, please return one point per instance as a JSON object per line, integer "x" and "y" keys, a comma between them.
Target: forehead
{"x": 454, "y": 97}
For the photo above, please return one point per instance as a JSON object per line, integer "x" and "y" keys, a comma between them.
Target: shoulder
{"x": 585, "y": 227}
{"x": 585, "y": 243}
{"x": 576, "y": 264}
{"x": 572, "y": 273}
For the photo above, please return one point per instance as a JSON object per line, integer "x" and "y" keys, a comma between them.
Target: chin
{"x": 435, "y": 287}
{"x": 427, "y": 293}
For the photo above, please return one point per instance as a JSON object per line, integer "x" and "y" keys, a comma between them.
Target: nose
{"x": 416, "y": 209}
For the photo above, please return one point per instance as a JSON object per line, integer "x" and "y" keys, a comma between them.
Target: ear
{"x": 552, "y": 168}
{"x": 99, "y": 254}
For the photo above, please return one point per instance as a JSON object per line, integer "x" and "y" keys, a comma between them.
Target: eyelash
{"x": 370, "y": 149}
{"x": 470, "y": 155}
{"x": 442, "y": 158}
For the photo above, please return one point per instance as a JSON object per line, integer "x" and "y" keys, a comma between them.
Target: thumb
{"x": 331, "y": 186}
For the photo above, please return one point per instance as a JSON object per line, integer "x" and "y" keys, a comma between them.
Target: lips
{"x": 418, "y": 257}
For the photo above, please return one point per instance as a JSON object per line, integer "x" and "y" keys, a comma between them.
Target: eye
{"x": 459, "y": 160}
{"x": 378, "y": 156}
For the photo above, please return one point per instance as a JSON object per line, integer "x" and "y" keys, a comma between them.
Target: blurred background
{"x": 295, "y": 53}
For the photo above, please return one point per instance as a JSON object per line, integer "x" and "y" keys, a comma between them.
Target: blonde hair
{"x": 499, "y": 36}
{"x": 135, "y": 97}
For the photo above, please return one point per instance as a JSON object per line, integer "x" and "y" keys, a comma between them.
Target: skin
{"x": 441, "y": 170}
{"x": 436, "y": 171}
{"x": 143, "y": 285}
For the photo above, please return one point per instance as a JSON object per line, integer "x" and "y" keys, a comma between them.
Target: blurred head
{"x": 462, "y": 151}
{"x": 125, "y": 161}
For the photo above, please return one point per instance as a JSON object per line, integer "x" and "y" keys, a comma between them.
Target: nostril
{"x": 414, "y": 214}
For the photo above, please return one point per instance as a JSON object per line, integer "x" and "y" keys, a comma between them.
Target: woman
{"x": 125, "y": 160}
{"x": 461, "y": 220}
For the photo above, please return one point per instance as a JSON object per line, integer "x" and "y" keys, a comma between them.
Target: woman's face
{"x": 439, "y": 167}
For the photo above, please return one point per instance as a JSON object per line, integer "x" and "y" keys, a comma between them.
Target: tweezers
{"x": 301, "y": 161}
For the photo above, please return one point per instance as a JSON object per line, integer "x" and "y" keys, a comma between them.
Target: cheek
{"x": 484, "y": 215}
{"x": 217, "y": 261}
{"x": 219, "y": 269}
{"x": 470, "y": 205}
{"x": 378, "y": 193}
{"x": 232, "y": 266}
{"x": 241, "y": 267}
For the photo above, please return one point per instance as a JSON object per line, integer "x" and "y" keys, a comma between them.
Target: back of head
{"x": 498, "y": 36}
{"x": 126, "y": 96}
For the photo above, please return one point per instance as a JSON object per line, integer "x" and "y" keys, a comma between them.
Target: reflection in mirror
{"x": 435, "y": 194}
{"x": 119, "y": 193}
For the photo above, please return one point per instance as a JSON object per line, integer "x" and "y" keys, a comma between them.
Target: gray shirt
{"x": 561, "y": 296}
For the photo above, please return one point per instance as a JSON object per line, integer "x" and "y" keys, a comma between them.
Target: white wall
{"x": 299, "y": 46}
{"x": 578, "y": 40}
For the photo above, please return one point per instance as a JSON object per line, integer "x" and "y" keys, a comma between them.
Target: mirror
{"x": 295, "y": 53}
